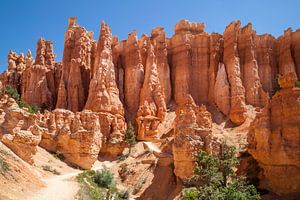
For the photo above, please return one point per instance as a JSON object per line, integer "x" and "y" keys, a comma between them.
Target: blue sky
{"x": 23, "y": 22}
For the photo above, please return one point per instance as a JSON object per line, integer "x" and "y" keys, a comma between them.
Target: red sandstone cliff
{"x": 77, "y": 62}
{"x": 100, "y": 86}
{"x": 274, "y": 139}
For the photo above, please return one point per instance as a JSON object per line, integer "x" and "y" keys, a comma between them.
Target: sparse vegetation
{"x": 13, "y": 93}
{"x": 4, "y": 166}
{"x": 89, "y": 190}
{"x": 4, "y": 152}
{"x": 104, "y": 178}
{"x": 276, "y": 85}
{"x": 121, "y": 158}
{"x": 99, "y": 185}
{"x": 50, "y": 169}
{"x": 123, "y": 194}
{"x": 297, "y": 84}
{"x": 215, "y": 178}
{"x": 58, "y": 155}
{"x": 138, "y": 186}
{"x": 123, "y": 171}
{"x": 130, "y": 137}
{"x": 172, "y": 166}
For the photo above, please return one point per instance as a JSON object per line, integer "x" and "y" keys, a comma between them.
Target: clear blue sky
{"x": 23, "y": 22}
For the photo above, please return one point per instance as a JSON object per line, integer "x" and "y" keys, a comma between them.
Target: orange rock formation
{"x": 275, "y": 139}
{"x": 18, "y": 131}
{"x": 99, "y": 86}
{"x": 193, "y": 130}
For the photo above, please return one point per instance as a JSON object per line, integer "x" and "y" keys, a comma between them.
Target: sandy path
{"x": 152, "y": 147}
{"x": 63, "y": 187}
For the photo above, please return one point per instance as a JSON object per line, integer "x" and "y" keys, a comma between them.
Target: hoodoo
{"x": 152, "y": 103}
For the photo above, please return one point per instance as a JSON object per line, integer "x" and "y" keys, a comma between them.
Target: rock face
{"x": 193, "y": 131}
{"x": 186, "y": 62}
{"x": 265, "y": 51}
{"x": 99, "y": 85}
{"x": 78, "y": 59}
{"x": 134, "y": 75}
{"x": 160, "y": 44}
{"x": 18, "y": 131}
{"x": 76, "y": 135}
{"x": 16, "y": 65}
{"x": 275, "y": 142}
{"x": 103, "y": 90}
{"x": 216, "y": 54}
{"x": 232, "y": 63}
{"x": 152, "y": 108}
{"x": 285, "y": 59}
{"x": 104, "y": 96}
{"x": 296, "y": 50}
{"x": 249, "y": 69}
{"x": 40, "y": 79}
{"x": 222, "y": 91}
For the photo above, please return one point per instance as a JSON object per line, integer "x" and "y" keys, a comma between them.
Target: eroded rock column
{"x": 249, "y": 69}
{"x": 159, "y": 41}
{"x": 40, "y": 79}
{"x": 77, "y": 64}
{"x": 232, "y": 62}
{"x": 192, "y": 132}
{"x": 134, "y": 75}
{"x": 152, "y": 109}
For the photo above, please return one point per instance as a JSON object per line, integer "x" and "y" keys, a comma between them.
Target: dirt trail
{"x": 63, "y": 187}
{"x": 152, "y": 147}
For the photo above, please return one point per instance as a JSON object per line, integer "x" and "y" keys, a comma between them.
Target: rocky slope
{"x": 209, "y": 79}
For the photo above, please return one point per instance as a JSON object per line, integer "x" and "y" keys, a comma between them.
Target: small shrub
{"x": 130, "y": 134}
{"x": 50, "y": 169}
{"x": 13, "y": 93}
{"x": 172, "y": 166}
{"x": 297, "y": 84}
{"x": 59, "y": 155}
{"x": 276, "y": 86}
{"x": 33, "y": 108}
{"x": 130, "y": 137}
{"x": 190, "y": 193}
{"x": 123, "y": 171}
{"x": 123, "y": 194}
{"x": 121, "y": 158}
{"x": 104, "y": 178}
{"x": 138, "y": 186}
{"x": 89, "y": 190}
{"x": 4, "y": 152}
{"x": 4, "y": 166}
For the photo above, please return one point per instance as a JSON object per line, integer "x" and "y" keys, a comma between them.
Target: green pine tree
{"x": 130, "y": 136}
{"x": 215, "y": 178}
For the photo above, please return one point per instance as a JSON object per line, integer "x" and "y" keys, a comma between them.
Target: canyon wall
{"x": 99, "y": 86}
{"x": 274, "y": 140}
{"x": 226, "y": 71}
